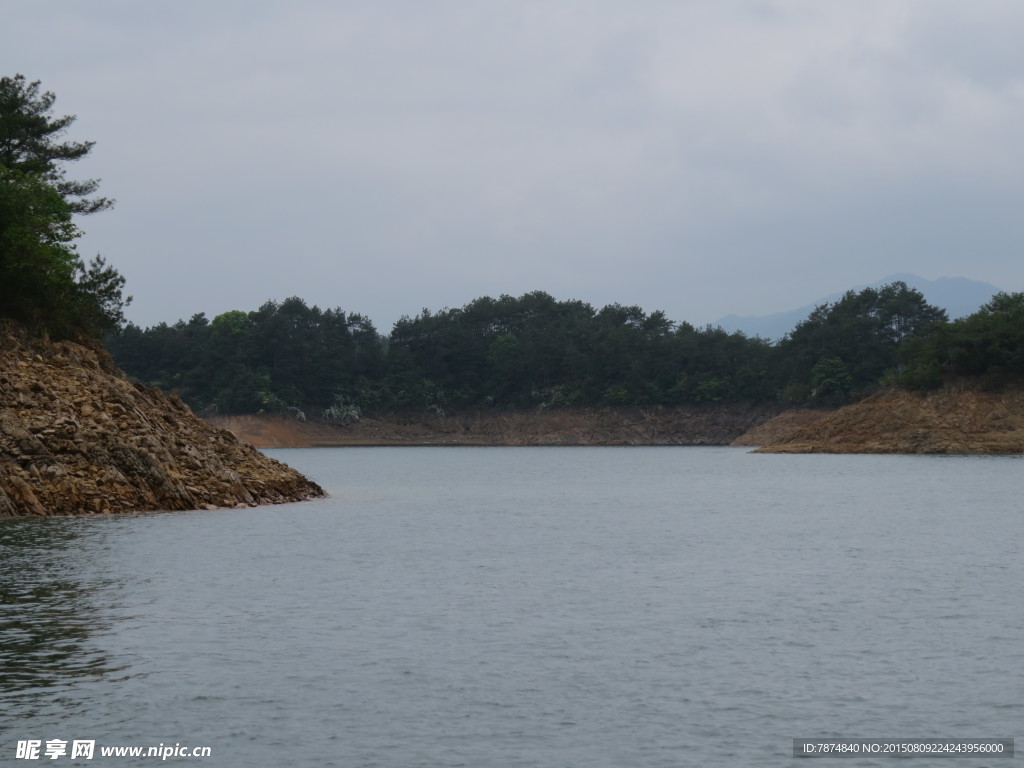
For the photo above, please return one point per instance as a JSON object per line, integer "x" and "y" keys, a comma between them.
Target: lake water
{"x": 549, "y": 607}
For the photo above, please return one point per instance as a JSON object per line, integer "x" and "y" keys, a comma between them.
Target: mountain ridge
{"x": 959, "y": 296}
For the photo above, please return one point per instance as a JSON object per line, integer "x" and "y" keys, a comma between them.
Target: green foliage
{"x": 28, "y": 143}
{"x": 99, "y": 296}
{"x": 861, "y": 331}
{"x": 283, "y": 358}
{"x": 37, "y": 259}
{"x": 831, "y": 382}
{"x": 43, "y": 282}
{"x": 533, "y": 351}
{"x": 989, "y": 344}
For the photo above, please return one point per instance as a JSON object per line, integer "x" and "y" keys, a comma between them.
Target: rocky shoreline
{"x": 77, "y": 437}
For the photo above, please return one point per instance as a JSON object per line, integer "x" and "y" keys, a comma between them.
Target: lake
{"x": 512, "y": 607}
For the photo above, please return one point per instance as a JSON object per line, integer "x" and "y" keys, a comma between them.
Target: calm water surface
{"x": 507, "y": 607}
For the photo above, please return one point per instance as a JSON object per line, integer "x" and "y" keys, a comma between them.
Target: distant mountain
{"x": 957, "y": 295}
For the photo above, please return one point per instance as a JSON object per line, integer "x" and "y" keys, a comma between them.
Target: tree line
{"x": 534, "y": 351}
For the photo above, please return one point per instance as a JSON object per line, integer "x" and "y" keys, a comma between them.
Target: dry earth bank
{"x": 656, "y": 425}
{"x": 958, "y": 419}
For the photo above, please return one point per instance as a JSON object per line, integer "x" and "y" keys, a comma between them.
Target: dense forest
{"x": 535, "y": 351}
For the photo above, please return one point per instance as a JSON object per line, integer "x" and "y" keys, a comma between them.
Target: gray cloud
{"x": 703, "y": 158}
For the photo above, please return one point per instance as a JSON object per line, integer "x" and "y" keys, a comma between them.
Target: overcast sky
{"x": 703, "y": 157}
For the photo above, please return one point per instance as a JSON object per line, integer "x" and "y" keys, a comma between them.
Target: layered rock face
{"x": 77, "y": 437}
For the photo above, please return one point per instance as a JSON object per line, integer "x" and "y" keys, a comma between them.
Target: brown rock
{"x": 61, "y": 453}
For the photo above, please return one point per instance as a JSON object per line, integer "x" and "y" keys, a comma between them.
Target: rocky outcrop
{"x": 77, "y": 437}
{"x": 958, "y": 419}
{"x": 711, "y": 424}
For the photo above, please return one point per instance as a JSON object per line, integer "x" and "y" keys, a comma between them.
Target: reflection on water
{"x": 51, "y": 625}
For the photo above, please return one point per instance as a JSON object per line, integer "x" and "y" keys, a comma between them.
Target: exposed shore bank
{"x": 77, "y": 437}
{"x": 960, "y": 419}
{"x": 657, "y": 425}
{"x": 957, "y": 420}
